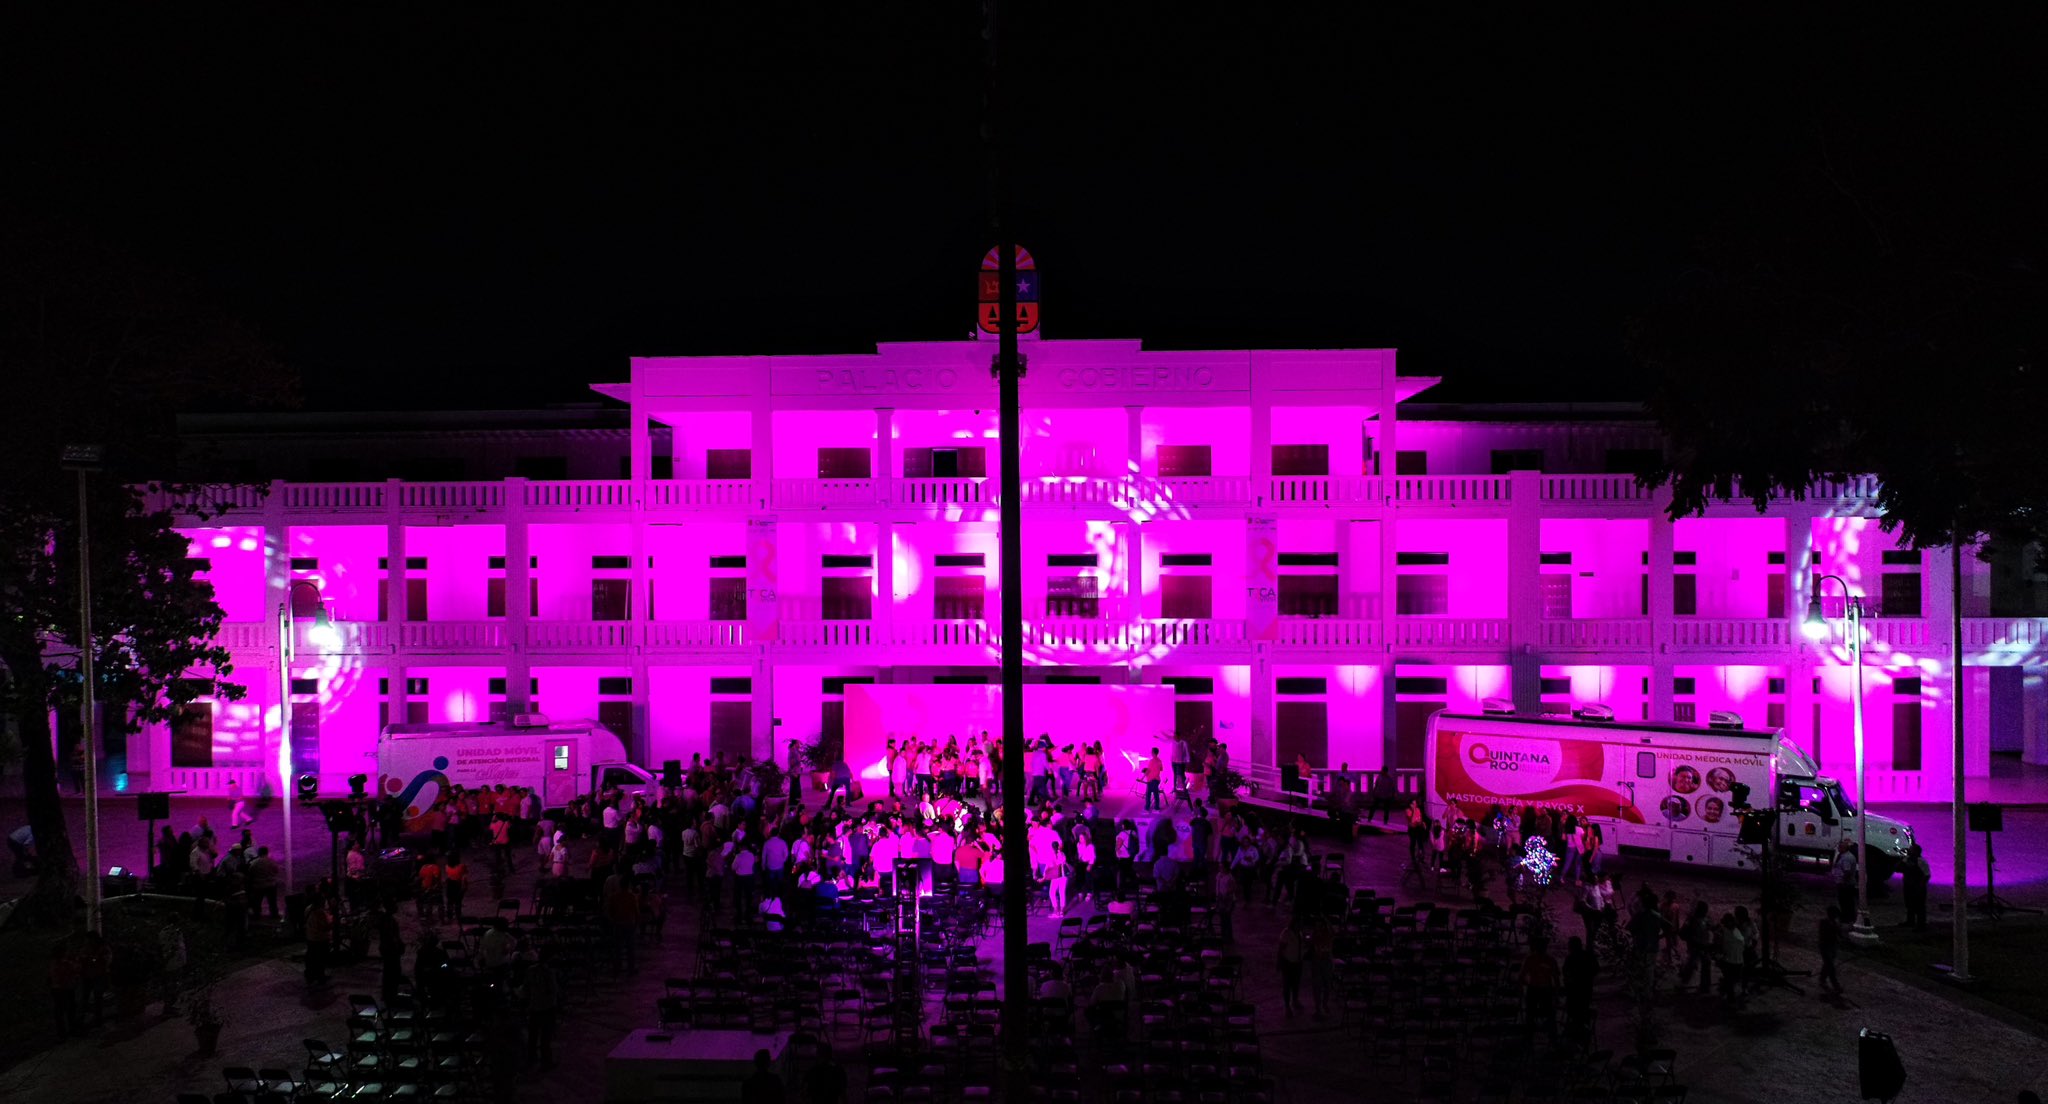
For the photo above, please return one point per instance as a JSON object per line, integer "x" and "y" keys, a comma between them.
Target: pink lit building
{"x": 1308, "y": 554}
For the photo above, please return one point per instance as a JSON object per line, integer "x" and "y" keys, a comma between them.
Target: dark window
{"x": 1422, "y": 595}
{"x": 1629, "y": 461}
{"x": 837, "y": 684}
{"x": 497, "y": 563}
{"x": 1407, "y": 462}
{"x": 1301, "y": 730}
{"x": 1554, "y": 557}
{"x": 1554, "y": 686}
{"x": 1301, "y": 687}
{"x": 848, "y": 597}
{"x": 1073, "y": 596}
{"x": 305, "y": 686}
{"x": 415, "y": 599}
{"x": 1775, "y": 558}
{"x": 611, "y": 599}
{"x": 1308, "y": 559}
{"x": 1646, "y": 764}
{"x": 1183, "y": 461}
{"x": 1411, "y": 731}
{"x": 618, "y": 717}
{"x": 1906, "y": 735}
{"x": 958, "y": 597}
{"x": 1774, "y": 715}
{"x": 1685, "y": 595}
{"x": 729, "y": 463}
{"x": 192, "y": 735}
{"x": 1420, "y": 685}
{"x": 1073, "y": 680}
{"x": 960, "y": 559}
{"x": 1774, "y": 595}
{"x": 1183, "y": 684}
{"x": 1899, "y": 594}
{"x": 1185, "y": 559}
{"x": 305, "y": 563}
{"x": 541, "y": 467}
{"x": 1774, "y": 686}
{"x": 732, "y": 729}
{"x": 945, "y": 463}
{"x": 959, "y": 680}
{"x": 662, "y": 467}
{"x": 1691, "y": 558}
{"x": 494, "y": 597}
{"x": 497, "y": 686}
{"x": 1514, "y": 460}
{"x": 1308, "y": 596}
{"x": 1901, "y": 557}
{"x": 846, "y": 561}
{"x": 1072, "y": 559}
{"x": 1906, "y": 687}
{"x": 844, "y": 463}
{"x": 1683, "y": 712}
{"x": 728, "y": 599}
{"x": 432, "y": 469}
{"x": 306, "y": 602}
{"x": 1422, "y": 559}
{"x": 1195, "y": 722}
{"x": 1301, "y": 459}
{"x": 1557, "y": 597}
{"x": 611, "y": 563}
{"x": 728, "y": 563}
{"x": 615, "y": 686}
{"x": 1184, "y": 596}
{"x": 1683, "y": 686}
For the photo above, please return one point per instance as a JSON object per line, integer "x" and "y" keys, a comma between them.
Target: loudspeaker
{"x": 1755, "y": 829}
{"x": 1986, "y": 817}
{"x": 1879, "y": 1072}
{"x": 152, "y": 806}
{"x": 1291, "y": 780}
{"x": 672, "y": 773}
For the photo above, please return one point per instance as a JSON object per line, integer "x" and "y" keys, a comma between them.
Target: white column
{"x": 761, "y": 452}
{"x": 642, "y": 447}
{"x": 1130, "y": 542}
{"x": 885, "y": 454}
{"x": 885, "y": 581}
{"x": 763, "y": 619}
{"x": 1134, "y": 439}
{"x": 1525, "y": 593}
{"x": 1659, "y": 568}
{"x": 2034, "y": 710}
{"x": 1263, "y": 735}
{"x": 394, "y": 563}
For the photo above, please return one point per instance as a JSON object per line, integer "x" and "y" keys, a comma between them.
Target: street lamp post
{"x": 86, "y": 459}
{"x": 287, "y": 652}
{"x": 1861, "y": 931}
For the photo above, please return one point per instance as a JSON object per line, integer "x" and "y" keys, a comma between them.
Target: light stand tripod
{"x": 1990, "y": 903}
{"x": 1760, "y": 826}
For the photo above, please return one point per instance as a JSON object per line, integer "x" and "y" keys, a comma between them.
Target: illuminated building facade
{"x": 1311, "y": 556}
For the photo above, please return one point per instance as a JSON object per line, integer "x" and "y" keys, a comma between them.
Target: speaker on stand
{"x": 1989, "y": 818}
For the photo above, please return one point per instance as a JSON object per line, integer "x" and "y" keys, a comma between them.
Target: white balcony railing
{"x": 975, "y": 633}
{"x": 463, "y": 635}
{"x": 799, "y": 493}
{"x": 452, "y": 496}
{"x": 696, "y": 634}
{"x": 1078, "y": 632}
{"x": 1074, "y": 491}
{"x": 1904, "y": 633}
{"x": 347, "y": 636}
{"x": 571, "y": 635}
{"x": 1210, "y": 490}
{"x": 2004, "y": 634}
{"x": 334, "y": 497}
{"x": 1451, "y": 490}
{"x": 1317, "y": 490}
{"x": 1186, "y": 633}
{"x": 1736, "y": 634}
{"x": 246, "y": 636}
{"x": 1328, "y": 632}
{"x": 1604, "y": 632}
{"x": 688, "y": 494}
{"x": 1451, "y": 632}
{"x": 945, "y": 492}
{"x": 579, "y": 494}
{"x": 1594, "y": 488}
{"x": 829, "y": 634}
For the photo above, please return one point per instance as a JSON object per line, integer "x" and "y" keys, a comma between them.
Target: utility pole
{"x": 1016, "y": 882}
{"x": 1958, "y": 822}
{"x": 85, "y": 459}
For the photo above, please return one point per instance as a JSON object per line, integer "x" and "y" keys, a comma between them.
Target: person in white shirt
{"x": 883, "y": 855}
{"x": 942, "y": 853}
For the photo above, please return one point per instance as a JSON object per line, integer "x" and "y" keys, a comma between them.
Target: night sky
{"x": 421, "y": 207}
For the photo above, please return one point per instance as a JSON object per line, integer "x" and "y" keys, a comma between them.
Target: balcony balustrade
{"x": 1210, "y": 490}
{"x": 1176, "y": 632}
{"x": 335, "y": 498}
{"x": 963, "y": 633}
{"x": 807, "y": 493}
{"x": 1082, "y": 633}
{"x": 1597, "y": 633}
{"x": 1989, "y": 638}
{"x": 1451, "y": 632}
{"x": 1324, "y": 490}
{"x": 1729, "y": 634}
{"x": 700, "y": 494}
{"x": 1567, "y": 489}
{"x": 451, "y": 496}
{"x": 945, "y": 492}
{"x": 1914, "y": 635}
{"x": 452, "y": 635}
{"x": 578, "y": 635}
{"x": 1328, "y": 632}
{"x": 246, "y": 636}
{"x": 1075, "y": 491}
{"x": 668, "y": 635}
{"x": 574, "y": 495}
{"x": 1451, "y": 490}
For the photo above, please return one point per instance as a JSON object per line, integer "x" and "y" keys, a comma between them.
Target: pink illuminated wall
{"x": 1076, "y": 443}
{"x": 1225, "y": 429}
{"x": 565, "y": 568}
{"x": 458, "y": 695}
{"x": 236, "y": 566}
{"x": 696, "y": 432}
{"x": 458, "y": 561}
{"x": 347, "y": 570}
{"x": 1853, "y": 548}
{"x": 682, "y": 565}
{"x": 916, "y": 548}
{"x": 801, "y": 548}
{"x": 799, "y": 434}
{"x": 1606, "y": 568}
{"x": 1734, "y": 688}
{"x": 571, "y": 693}
{"x": 1221, "y": 541}
{"x": 679, "y": 710}
{"x": 945, "y": 429}
{"x": 1478, "y": 570}
{"x": 349, "y": 719}
{"x": 1352, "y": 709}
{"x": 1129, "y": 720}
{"x": 1733, "y": 562}
{"x": 1620, "y": 688}
{"x": 1343, "y": 429}
{"x": 1065, "y": 536}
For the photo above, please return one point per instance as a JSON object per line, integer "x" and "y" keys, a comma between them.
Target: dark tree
{"x": 101, "y": 349}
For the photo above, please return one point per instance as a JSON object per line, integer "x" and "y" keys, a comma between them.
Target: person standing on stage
{"x": 1151, "y": 772}
{"x": 1180, "y": 762}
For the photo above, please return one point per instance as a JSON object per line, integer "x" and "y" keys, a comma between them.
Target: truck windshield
{"x": 1843, "y": 807}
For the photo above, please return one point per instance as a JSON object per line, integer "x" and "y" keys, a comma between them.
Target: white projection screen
{"x": 1129, "y": 720}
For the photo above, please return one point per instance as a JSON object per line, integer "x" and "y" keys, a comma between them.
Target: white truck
{"x": 1658, "y": 791}
{"x": 559, "y": 760}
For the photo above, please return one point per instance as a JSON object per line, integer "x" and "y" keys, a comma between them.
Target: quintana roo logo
{"x": 1478, "y": 753}
{"x": 417, "y": 797}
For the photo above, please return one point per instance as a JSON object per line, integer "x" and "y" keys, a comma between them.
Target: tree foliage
{"x": 1845, "y": 327}
{"x": 101, "y": 349}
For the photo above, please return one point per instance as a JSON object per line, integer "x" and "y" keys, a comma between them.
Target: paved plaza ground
{"x": 1956, "y": 1046}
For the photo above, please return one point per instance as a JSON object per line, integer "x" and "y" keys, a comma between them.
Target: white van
{"x": 1660, "y": 791}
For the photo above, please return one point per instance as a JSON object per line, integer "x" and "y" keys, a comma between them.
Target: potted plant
{"x": 769, "y": 780}
{"x": 812, "y": 755}
{"x": 205, "y": 1018}
{"x": 1225, "y": 783}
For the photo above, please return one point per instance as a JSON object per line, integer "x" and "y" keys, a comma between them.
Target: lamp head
{"x": 1816, "y": 623}
{"x": 323, "y": 634}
